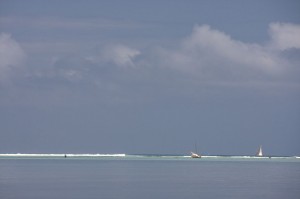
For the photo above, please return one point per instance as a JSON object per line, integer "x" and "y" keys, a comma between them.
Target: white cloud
{"x": 207, "y": 54}
{"x": 211, "y": 53}
{"x": 284, "y": 35}
{"x": 120, "y": 55}
{"x": 11, "y": 54}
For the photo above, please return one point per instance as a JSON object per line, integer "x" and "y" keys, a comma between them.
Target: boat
{"x": 259, "y": 152}
{"x": 195, "y": 155}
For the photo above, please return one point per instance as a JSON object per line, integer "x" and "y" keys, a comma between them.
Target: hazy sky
{"x": 153, "y": 76}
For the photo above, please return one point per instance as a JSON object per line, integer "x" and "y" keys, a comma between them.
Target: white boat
{"x": 195, "y": 155}
{"x": 259, "y": 152}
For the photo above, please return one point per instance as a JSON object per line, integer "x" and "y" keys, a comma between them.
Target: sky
{"x": 150, "y": 77}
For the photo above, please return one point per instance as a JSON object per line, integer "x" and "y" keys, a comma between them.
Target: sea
{"x": 122, "y": 176}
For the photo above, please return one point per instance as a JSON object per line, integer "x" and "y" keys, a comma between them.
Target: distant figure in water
{"x": 65, "y": 156}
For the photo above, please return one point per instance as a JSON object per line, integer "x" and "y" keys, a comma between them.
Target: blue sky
{"x": 149, "y": 76}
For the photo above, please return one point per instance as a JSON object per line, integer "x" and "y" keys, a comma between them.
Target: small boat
{"x": 259, "y": 152}
{"x": 195, "y": 155}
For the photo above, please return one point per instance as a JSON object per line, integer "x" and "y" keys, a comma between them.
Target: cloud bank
{"x": 206, "y": 56}
{"x": 209, "y": 53}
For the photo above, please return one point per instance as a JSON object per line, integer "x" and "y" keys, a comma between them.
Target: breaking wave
{"x": 61, "y": 155}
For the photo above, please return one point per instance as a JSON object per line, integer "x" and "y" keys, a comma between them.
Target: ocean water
{"x": 148, "y": 177}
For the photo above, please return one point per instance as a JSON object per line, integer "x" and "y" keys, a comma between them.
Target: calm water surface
{"x": 147, "y": 178}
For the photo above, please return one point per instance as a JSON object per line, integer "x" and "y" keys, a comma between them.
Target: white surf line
{"x": 59, "y": 155}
